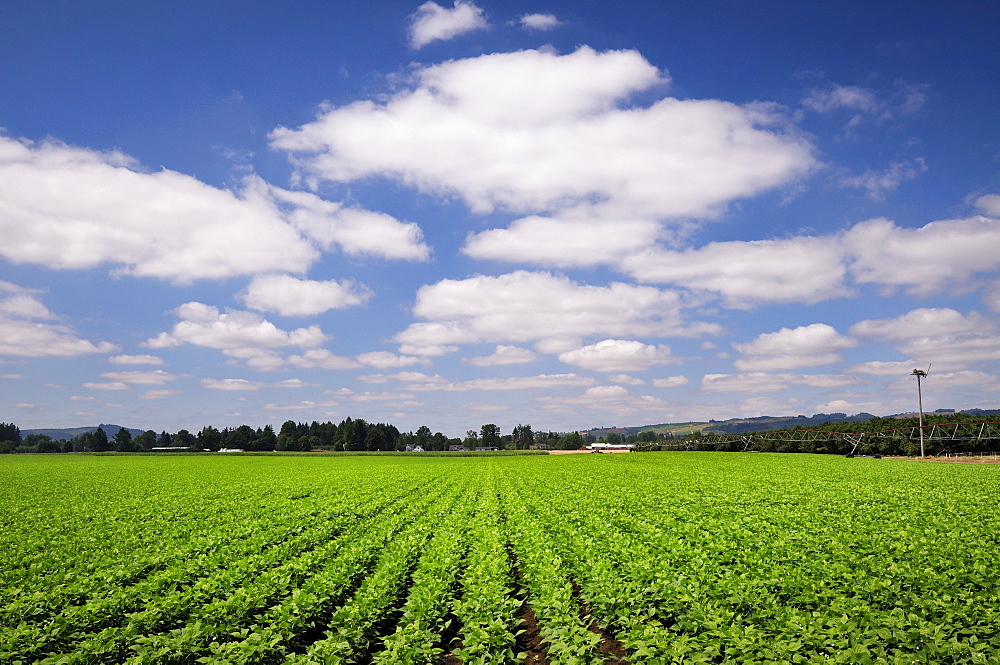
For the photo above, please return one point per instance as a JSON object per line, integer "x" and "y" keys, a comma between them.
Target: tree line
{"x": 359, "y": 435}
{"x": 350, "y": 434}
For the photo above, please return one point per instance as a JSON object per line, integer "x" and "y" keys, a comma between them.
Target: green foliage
{"x": 572, "y": 441}
{"x": 680, "y": 558}
{"x": 42, "y": 443}
{"x": 522, "y": 437}
{"x": 209, "y": 438}
{"x": 146, "y": 440}
{"x": 185, "y": 439}
{"x": 99, "y": 441}
{"x": 122, "y": 441}
{"x": 10, "y": 437}
{"x": 489, "y": 436}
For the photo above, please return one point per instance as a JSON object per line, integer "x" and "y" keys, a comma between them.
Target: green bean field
{"x": 631, "y": 558}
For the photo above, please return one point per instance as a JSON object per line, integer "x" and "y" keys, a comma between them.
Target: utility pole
{"x": 920, "y": 404}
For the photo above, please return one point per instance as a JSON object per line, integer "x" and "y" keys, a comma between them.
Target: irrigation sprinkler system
{"x": 942, "y": 437}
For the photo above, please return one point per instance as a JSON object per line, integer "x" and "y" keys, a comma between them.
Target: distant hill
{"x": 764, "y": 423}
{"x": 62, "y": 434}
{"x": 674, "y": 429}
{"x": 744, "y": 425}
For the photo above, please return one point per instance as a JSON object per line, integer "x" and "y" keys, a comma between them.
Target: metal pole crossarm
{"x": 920, "y": 405}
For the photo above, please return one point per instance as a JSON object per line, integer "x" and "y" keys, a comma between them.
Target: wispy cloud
{"x": 538, "y": 22}
{"x": 26, "y": 329}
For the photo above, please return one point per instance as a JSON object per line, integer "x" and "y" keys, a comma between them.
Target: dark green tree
{"x": 489, "y": 436}
{"x": 10, "y": 437}
{"x": 352, "y": 434}
{"x": 288, "y": 436}
{"x": 242, "y": 438}
{"x": 99, "y": 441}
{"x": 571, "y": 441}
{"x": 209, "y": 438}
{"x": 122, "y": 442}
{"x": 439, "y": 441}
{"x": 265, "y": 439}
{"x": 42, "y": 443}
{"x": 523, "y": 438}
{"x": 146, "y": 440}
{"x": 82, "y": 443}
{"x": 405, "y": 439}
{"x": 185, "y": 439}
{"x": 327, "y": 434}
{"x": 381, "y": 437}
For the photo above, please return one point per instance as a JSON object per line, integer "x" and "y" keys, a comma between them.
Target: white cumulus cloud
{"x": 238, "y": 333}
{"x": 432, "y": 22}
{"x": 989, "y": 204}
{"x": 923, "y": 323}
{"x": 290, "y": 296}
{"x": 159, "y": 394}
{"x": 793, "y": 348}
{"x": 407, "y": 377}
{"x": 617, "y": 355}
{"x": 156, "y": 377}
{"x": 626, "y": 380}
{"x": 758, "y": 382}
{"x": 24, "y": 306}
{"x": 143, "y": 359}
{"x": 746, "y": 274}
{"x": 942, "y": 336}
{"x": 354, "y": 230}
{"x": 564, "y": 241}
{"x": 111, "y": 385}
{"x": 553, "y": 136}
{"x": 534, "y": 306}
{"x": 881, "y": 368}
{"x": 387, "y": 360}
{"x": 671, "y": 382}
{"x": 68, "y": 207}
{"x": 505, "y": 354}
{"x": 322, "y": 359}
{"x": 952, "y": 256}
{"x": 939, "y": 256}
{"x": 230, "y": 384}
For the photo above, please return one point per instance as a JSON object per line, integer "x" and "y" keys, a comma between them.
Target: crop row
{"x": 667, "y": 558}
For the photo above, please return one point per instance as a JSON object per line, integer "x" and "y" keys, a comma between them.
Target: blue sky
{"x": 563, "y": 214}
